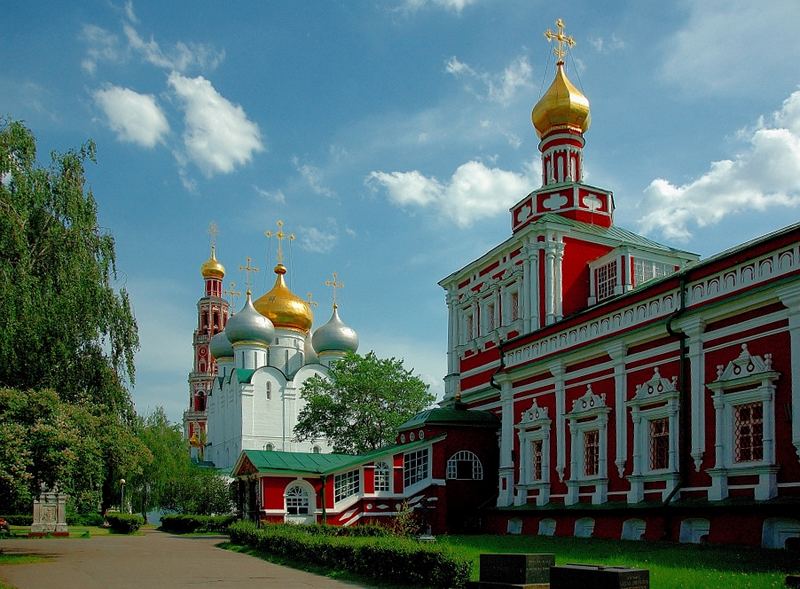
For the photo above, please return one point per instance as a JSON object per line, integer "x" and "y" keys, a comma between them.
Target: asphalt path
{"x": 148, "y": 561}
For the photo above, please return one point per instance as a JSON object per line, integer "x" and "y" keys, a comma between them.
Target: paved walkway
{"x": 150, "y": 561}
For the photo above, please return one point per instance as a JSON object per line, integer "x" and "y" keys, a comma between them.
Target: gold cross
{"x": 280, "y": 236}
{"x": 561, "y": 40}
{"x": 310, "y": 300}
{"x": 213, "y": 231}
{"x": 232, "y": 292}
{"x": 249, "y": 269}
{"x": 334, "y": 284}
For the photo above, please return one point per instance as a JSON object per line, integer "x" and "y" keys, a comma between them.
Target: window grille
{"x": 464, "y": 465}
{"x": 659, "y": 443}
{"x": 470, "y": 326}
{"x": 591, "y": 453}
{"x": 606, "y": 280}
{"x": 382, "y": 477}
{"x": 297, "y": 501}
{"x": 644, "y": 270}
{"x": 749, "y": 432}
{"x": 415, "y": 467}
{"x": 514, "y": 306}
{"x": 536, "y": 459}
{"x": 490, "y": 317}
{"x": 346, "y": 485}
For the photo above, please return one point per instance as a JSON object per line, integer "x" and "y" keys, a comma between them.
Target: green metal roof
{"x": 276, "y": 462}
{"x": 244, "y": 375}
{"x": 451, "y": 416}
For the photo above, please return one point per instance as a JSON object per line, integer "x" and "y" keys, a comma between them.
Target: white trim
{"x": 589, "y": 413}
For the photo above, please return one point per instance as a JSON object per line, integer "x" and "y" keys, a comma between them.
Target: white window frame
{"x": 425, "y": 476}
{"x": 389, "y": 477}
{"x": 308, "y": 490}
{"x": 611, "y": 258}
{"x": 656, "y": 398}
{"x": 534, "y": 426}
{"x": 346, "y": 484}
{"x": 657, "y": 269}
{"x": 463, "y": 456}
{"x": 589, "y": 413}
{"x": 753, "y": 379}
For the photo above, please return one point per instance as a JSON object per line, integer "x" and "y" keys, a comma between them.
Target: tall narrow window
{"x": 659, "y": 443}
{"x": 490, "y": 317}
{"x": 382, "y": 477}
{"x": 591, "y": 453}
{"x": 536, "y": 459}
{"x": 749, "y": 432}
{"x": 415, "y": 467}
{"x": 514, "y": 314}
{"x": 470, "y": 325}
{"x": 606, "y": 280}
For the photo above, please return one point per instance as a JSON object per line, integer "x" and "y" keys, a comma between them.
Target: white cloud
{"x": 218, "y": 136}
{"x": 452, "y": 5}
{"x": 607, "y": 44}
{"x": 716, "y": 49}
{"x": 765, "y": 175}
{"x": 182, "y": 57}
{"x": 276, "y": 196}
{"x": 129, "y": 13}
{"x": 474, "y": 191}
{"x": 102, "y": 45}
{"x": 313, "y": 177}
{"x": 134, "y": 117}
{"x": 499, "y": 87}
{"x": 321, "y": 241}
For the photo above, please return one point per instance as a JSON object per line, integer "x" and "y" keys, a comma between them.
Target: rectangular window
{"x": 748, "y": 432}
{"x": 591, "y": 453}
{"x": 346, "y": 485}
{"x": 605, "y": 280}
{"x": 659, "y": 443}
{"x": 489, "y": 317}
{"x": 470, "y": 326}
{"x": 415, "y": 467}
{"x": 644, "y": 270}
{"x": 382, "y": 477}
{"x": 536, "y": 460}
{"x": 514, "y": 314}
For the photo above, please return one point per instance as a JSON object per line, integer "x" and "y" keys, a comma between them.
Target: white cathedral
{"x": 249, "y": 369}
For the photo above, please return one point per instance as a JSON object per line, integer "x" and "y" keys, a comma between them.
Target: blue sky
{"x": 391, "y": 137}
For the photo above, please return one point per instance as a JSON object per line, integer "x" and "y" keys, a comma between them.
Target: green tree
{"x": 63, "y": 324}
{"x": 361, "y": 405}
{"x": 201, "y": 490}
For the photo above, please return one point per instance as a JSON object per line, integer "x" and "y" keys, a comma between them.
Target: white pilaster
{"x": 558, "y": 290}
{"x": 790, "y": 296}
{"x": 549, "y": 273}
{"x": 557, "y": 370}
{"x": 535, "y": 289}
{"x": 617, "y": 354}
{"x": 505, "y": 496}
{"x": 693, "y": 328}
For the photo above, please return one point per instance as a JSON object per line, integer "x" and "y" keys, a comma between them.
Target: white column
{"x": 557, "y": 370}
{"x": 697, "y": 390}
{"x": 558, "y": 290}
{"x": 525, "y": 293}
{"x": 719, "y": 477}
{"x": 674, "y": 435}
{"x": 534, "y": 289}
{"x": 549, "y": 271}
{"x": 573, "y": 486}
{"x": 790, "y": 297}
{"x": 617, "y": 354}
{"x": 505, "y": 496}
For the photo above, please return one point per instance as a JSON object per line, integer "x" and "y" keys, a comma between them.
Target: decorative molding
{"x": 589, "y": 404}
{"x": 745, "y": 368}
{"x": 655, "y": 390}
{"x": 535, "y": 416}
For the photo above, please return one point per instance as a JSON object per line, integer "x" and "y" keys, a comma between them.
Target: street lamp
{"x": 122, "y": 496}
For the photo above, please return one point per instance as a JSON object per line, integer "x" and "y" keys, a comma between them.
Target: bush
{"x": 124, "y": 523}
{"x": 85, "y": 519}
{"x": 384, "y": 558}
{"x": 18, "y": 519}
{"x": 359, "y": 531}
{"x": 189, "y": 522}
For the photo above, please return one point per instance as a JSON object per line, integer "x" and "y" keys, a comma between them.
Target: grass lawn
{"x": 74, "y": 531}
{"x": 671, "y": 565}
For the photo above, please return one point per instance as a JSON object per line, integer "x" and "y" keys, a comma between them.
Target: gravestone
{"x": 514, "y": 571}
{"x": 598, "y": 577}
{"x": 50, "y": 514}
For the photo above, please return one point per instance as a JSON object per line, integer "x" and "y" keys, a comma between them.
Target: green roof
{"x": 276, "y": 462}
{"x": 451, "y": 416}
{"x": 244, "y": 375}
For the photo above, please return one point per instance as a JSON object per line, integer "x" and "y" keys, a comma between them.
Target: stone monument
{"x": 50, "y": 514}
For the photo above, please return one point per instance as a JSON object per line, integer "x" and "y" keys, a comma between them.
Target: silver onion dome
{"x": 220, "y": 346}
{"x": 335, "y": 336}
{"x": 248, "y": 325}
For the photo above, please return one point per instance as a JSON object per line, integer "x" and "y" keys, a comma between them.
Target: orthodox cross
{"x": 561, "y": 40}
{"x": 232, "y": 292}
{"x": 212, "y": 232}
{"x": 334, "y": 284}
{"x": 249, "y": 269}
{"x": 280, "y": 236}
{"x": 310, "y": 300}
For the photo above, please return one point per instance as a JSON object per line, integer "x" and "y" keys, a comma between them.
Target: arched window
{"x": 316, "y": 450}
{"x": 464, "y": 465}
{"x": 297, "y": 502}
{"x": 382, "y": 477}
{"x": 269, "y": 447}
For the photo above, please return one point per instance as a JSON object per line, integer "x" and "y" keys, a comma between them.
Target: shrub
{"x": 18, "y": 519}
{"x": 384, "y": 558}
{"x": 124, "y": 523}
{"x": 85, "y": 519}
{"x": 187, "y": 523}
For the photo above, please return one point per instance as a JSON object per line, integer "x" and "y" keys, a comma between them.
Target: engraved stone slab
{"x": 598, "y": 577}
{"x": 516, "y": 568}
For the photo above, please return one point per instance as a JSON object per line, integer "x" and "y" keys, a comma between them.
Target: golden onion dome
{"x": 563, "y": 107}
{"x": 211, "y": 268}
{"x": 284, "y": 308}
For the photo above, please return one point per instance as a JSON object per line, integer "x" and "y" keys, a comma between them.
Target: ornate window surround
{"x": 534, "y": 426}
{"x": 655, "y": 398}
{"x": 745, "y": 379}
{"x": 588, "y": 413}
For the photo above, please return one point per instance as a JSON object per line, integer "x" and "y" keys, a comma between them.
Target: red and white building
{"x": 640, "y": 393}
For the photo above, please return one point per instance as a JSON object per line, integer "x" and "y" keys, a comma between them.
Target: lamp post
{"x": 122, "y": 496}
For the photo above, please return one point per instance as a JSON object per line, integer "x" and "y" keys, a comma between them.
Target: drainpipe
{"x": 685, "y": 406}
{"x": 322, "y": 492}
{"x": 492, "y": 383}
